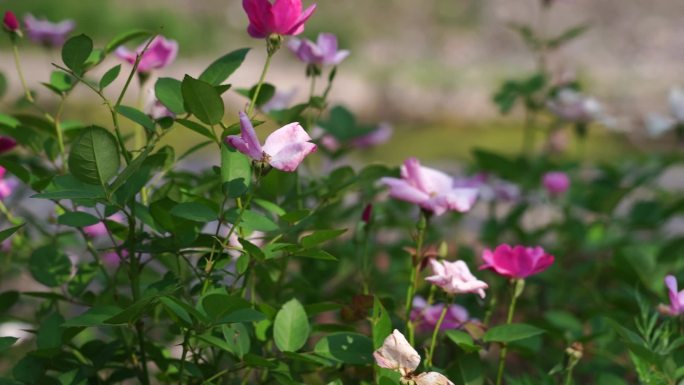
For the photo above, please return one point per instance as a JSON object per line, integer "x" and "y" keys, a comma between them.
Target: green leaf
{"x": 137, "y": 116}
{"x": 198, "y": 128}
{"x": 94, "y": 156}
{"x": 3, "y": 84}
{"x": 348, "y": 348}
{"x": 7, "y": 342}
{"x": 174, "y": 308}
{"x": 77, "y": 219}
{"x": 511, "y": 332}
{"x": 69, "y": 194}
{"x": 202, "y": 100}
{"x": 124, "y": 38}
{"x": 169, "y": 93}
{"x": 237, "y": 339}
{"x": 76, "y": 51}
{"x": 194, "y": 211}
{"x": 381, "y": 323}
{"x": 468, "y": 370}
{"x": 61, "y": 81}
{"x": 223, "y": 67}
{"x": 251, "y": 220}
{"x": 110, "y": 76}
{"x": 50, "y": 332}
{"x": 291, "y": 327}
{"x": 320, "y": 236}
{"x": 316, "y": 254}
{"x": 235, "y": 166}
{"x": 463, "y": 340}
{"x": 133, "y": 312}
{"x": 95, "y": 316}
{"x": 5, "y": 234}
{"x": 7, "y": 300}
{"x": 49, "y": 267}
{"x": 266, "y": 93}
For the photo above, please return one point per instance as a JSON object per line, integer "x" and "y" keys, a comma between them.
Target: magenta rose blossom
{"x": 455, "y": 278}
{"x": 432, "y": 190}
{"x": 159, "y": 54}
{"x": 284, "y": 149}
{"x": 46, "y": 32}
{"x": 283, "y": 17}
{"x": 322, "y": 52}
{"x": 517, "y": 262}
{"x": 10, "y": 22}
{"x": 426, "y": 316}
{"x": 676, "y": 306}
{"x": 556, "y": 182}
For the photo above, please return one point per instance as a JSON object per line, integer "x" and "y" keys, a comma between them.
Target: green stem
{"x": 60, "y": 135}
{"x": 252, "y": 103}
{"x": 15, "y": 51}
{"x": 518, "y": 286}
{"x": 568, "y": 375}
{"x": 415, "y": 273}
{"x": 186, "y": 339}
{"x": 433, "y": 342}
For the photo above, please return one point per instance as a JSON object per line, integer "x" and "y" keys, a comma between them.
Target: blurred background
{"x": 430, "y": 67}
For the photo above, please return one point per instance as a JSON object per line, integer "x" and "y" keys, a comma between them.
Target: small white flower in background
{"x": 658, "y": 124}
{"x": 574, "y": 107}
{"x": 280, "y": 101}
{"x": 16, "y": 330}
{"x": 398, "y": 355}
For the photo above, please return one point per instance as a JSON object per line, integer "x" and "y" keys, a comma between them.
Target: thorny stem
{"x": 415, "y": 273}
{"x": 433, "y": 342}
{"x": 518, "y": 286}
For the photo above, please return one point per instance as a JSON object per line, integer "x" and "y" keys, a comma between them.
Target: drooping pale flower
{"x": 517, "y": 262}
{"x": 676, "y": 306}
{"x": 573, "y": 107}
{"x": 283, "y": 17}
{"x": 7, "y": 143}
{"x": 425, "y": 316}
{"x": 159, "y": 54}
{"x": 100, "y": 229}
{"x": 284, "y": 149}
{"x": 432, "y": 190}
{"x": 10, "y": 22}
{"x": 398, "y": 355}
{"x": 556, "y": 182}
{"x": 48, "y": 33}
{"x": 7, "y": 185}
{"x": 455, "y": 278}
{"x": 322, "y": 52}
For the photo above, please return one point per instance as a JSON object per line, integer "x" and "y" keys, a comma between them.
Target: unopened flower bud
{"x": 367, "y": 214}
{"x": 10, "y": 22}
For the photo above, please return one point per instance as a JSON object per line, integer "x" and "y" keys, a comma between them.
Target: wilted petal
{"x": 432, "y": 378}
{"x": 249, "y": 136}
{"x": 397, "y": 354}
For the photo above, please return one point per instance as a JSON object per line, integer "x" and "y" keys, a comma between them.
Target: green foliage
{"x": 94, "y": 156}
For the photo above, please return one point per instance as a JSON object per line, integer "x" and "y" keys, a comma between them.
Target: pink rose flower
{"x": 283, "y": 17}
{"x": 432, "y": 190}
{"x": 556, "y": 182}
{"x": 676, "y": 298}
{"x": 517, "y": 262}
{"x": 322, "y": 52}
{"x": 455, "y": 278}
{"x": 159, "y": 54}
{"x": 284, "y": 149}
{"x": 100, "y": 229}
{"x": 426, "y": 317}
{"x": 47, "y": 33}
{"x": 10, "y": 22}
{"x": 7, "y": 185}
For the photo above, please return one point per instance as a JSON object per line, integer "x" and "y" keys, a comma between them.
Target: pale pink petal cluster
{"x": 284, "y": 149}
{"x": 574, "y": 107}
{"x": 426, "y": 316}
{"x": 455, "y": 278}
{"x": 160, "y": 53}
{"x": 398, "y": 355}
{"x": 48, "y": 33}
{"x": 100, "y": 229}
{"x": 659, "y": 124}
{"x": 283, "y": 17}
{"x": 7, "y": 185}
{"x": 556, "y": 182}
{"x": 432, "y": 190}
{"x": 322, "y": 52}
{"x": 676, "y": 306}
{"x": 518, "y": 262}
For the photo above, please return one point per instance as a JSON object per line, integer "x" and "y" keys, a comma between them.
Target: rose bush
{"x": 274, "y": 267}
